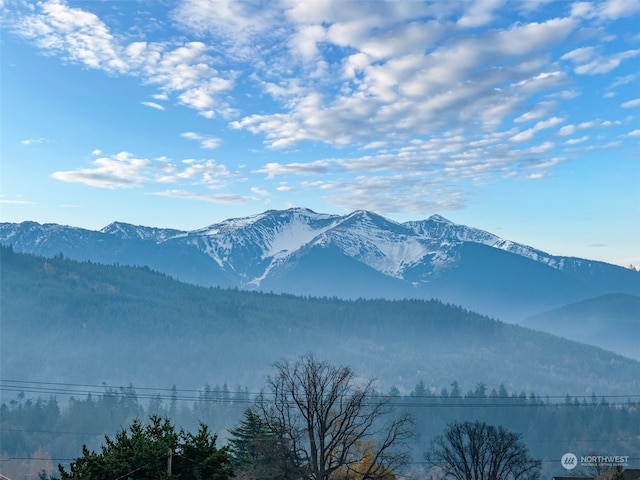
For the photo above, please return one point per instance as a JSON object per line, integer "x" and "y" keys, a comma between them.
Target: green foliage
{"x": 141, "y": 453}
{"x": 153, "y": 452}
{"x": 259, "y": 453}
{"x": 198, "y": 458}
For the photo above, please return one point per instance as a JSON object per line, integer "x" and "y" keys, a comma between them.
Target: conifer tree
{"x": 260, "y": 453}
{"x": 154, "y": 451}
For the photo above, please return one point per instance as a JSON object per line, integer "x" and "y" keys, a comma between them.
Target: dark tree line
{"x": 60, "y": 429}
{"x": 318, "y": 420}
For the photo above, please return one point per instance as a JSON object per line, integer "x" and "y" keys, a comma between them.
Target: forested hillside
{"x": 63, "y": 320}
{"x": 613, "y": 321}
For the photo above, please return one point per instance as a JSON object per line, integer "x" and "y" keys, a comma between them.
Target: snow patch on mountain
{"x": 382, "y": 244}
{"x": 251, "y": 247}
{"x": 292, "y": 236}
{"x": 440, "y": 231}
{"x": 126, "y": 231}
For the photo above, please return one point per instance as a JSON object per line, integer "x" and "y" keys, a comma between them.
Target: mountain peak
{"x": 127, "y": 231}
{"x": 361, "y": 252}
{"x": 439, "y": 219}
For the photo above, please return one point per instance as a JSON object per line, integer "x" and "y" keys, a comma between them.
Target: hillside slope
{"x": 612, "y": 321}
{"x": 83, "y": 322}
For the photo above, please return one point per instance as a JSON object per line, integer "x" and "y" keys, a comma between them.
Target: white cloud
{"x": 575, "y": 141}
{"x": 241, "y": 29}
{"x": 479, "y": 13}
{"x": 605, "y": 10}
{"x": 580, "y": 55}
{"x": 567, "y": 130}
{"x": 31, "y": 141}
{"x": 391, "y": 194}
{"x": 623, "y": 80}
{"x": 206, "y": 141}
{"x": 155, "y": 105}
{"x": 631, "y": 103}
{"x": 604, "y": 146}
{"x": 424, "y": 174}
{"x": 614, "y": 9}
{"x": 121, "y": 171}
{"x": 538, "y": 175}
{"x": 410, "y": 68}
{"x": 221, "y": 198}
{"x": 604, "y": 64}
{"x": 565, "y": 95}
{"x": 430, "y": 100}
{"x": 526, "y": 38}
{"x": 375, "y": 145}
{"x": 397, "y": 87}
{"x": 198, "y": 172}
{"x": 82, "y": 37}
{"x": 588, "y": 61}
{"x": 528, "y": 134}
{"x": 542, "y": 148}
{"x": 14, "y": 201}
{"x": 634, "y": 133}
{"x": 541, "y": 110}
{"x": 311, "y": 168}
{"x": 125, "y": 170}
{"x": 571, "y": 129}
{"x": 79, "y": 34}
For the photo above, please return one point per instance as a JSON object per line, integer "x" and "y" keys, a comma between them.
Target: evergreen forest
{"x": 39, "y": 432}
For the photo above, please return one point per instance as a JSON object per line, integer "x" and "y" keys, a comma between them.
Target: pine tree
{"x": 153, "y": 452}
{"x": 258, "y": 452}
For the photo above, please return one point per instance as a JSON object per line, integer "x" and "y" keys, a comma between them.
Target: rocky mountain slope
{"x": 359, "y": 255}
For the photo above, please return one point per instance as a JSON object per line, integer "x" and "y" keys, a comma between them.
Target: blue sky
{"x": 517, "y": 117}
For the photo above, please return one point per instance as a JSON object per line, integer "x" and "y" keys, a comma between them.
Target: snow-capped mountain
{"x": 361, "y": 254}
{"x": 126, "y": 231}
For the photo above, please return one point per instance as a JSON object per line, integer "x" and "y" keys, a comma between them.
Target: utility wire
{"x": 216, "y": 395}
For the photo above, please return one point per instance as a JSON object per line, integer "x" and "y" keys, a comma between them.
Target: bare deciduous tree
{"x": 477, "y": 451}
{"x": 326, "y": 417}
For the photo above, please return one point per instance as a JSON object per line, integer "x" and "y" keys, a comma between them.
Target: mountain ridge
{"x": 431, "y": 258}
{"x": 613, "y": 318}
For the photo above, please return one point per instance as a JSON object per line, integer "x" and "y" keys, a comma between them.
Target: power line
{"x": 101, "y": 434}
{"x": 57, "y": 432}
{"x": 228, "y": 396}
